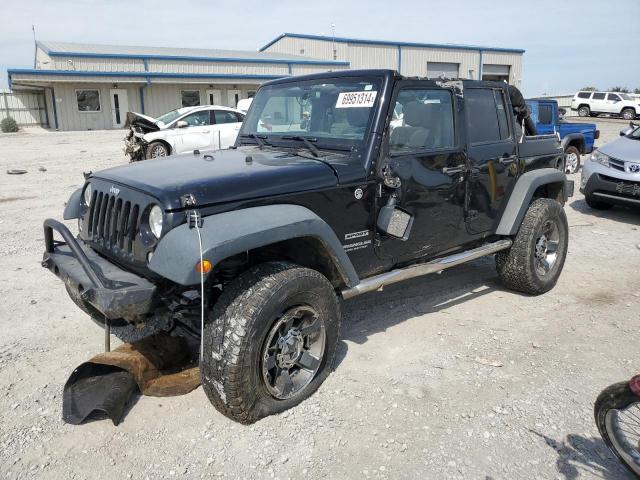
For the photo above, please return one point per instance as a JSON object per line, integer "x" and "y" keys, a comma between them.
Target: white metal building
{"x": 91, "y": 87}
{"x": 410, "y": 59}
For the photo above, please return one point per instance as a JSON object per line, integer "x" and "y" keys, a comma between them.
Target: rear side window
{"x": 486, "y": 115}
{"x": 614, "y": 97}
{"x": 545, "y": 114}
{"x": 423, "y": 120}
{"x": 598, "y": 96}
{"x": 584, "y": 94}
{"x": 224, "y": 116}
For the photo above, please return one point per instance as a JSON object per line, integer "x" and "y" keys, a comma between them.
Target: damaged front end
{"x": 134, "y": 143}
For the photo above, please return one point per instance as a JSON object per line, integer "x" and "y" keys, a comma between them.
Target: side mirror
{"x": 182, "y": 124}
{"x": 394, "y": 221}
{"x": 624, "y": 132}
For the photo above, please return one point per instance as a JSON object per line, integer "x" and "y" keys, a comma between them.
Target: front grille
{"x": 113, "y": 222}
{"x": 624, "y": 187}
{"x": 616, "y": 164}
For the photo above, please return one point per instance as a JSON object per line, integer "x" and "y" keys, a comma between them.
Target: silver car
{"x": 612, "y": 175}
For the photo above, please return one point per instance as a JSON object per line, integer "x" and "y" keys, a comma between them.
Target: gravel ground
{"x": 448, "y": 376}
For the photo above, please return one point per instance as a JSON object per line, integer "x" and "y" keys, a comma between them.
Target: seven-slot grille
{"x": 113, "y": 222}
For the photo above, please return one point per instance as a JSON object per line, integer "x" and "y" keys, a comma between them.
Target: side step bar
{"x": 378, "y": 281}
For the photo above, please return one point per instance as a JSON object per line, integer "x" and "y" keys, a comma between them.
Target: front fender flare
{"x": 72, "y": 207}
{"x": 230, "y": 233}
{"x": 522, "y": 194}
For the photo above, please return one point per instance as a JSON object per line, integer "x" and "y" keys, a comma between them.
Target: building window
{"x": 88, "y": 100}
{"x": 190, "y": 98}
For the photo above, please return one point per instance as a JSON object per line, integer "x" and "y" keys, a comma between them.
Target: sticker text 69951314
{"x": 356, "y": 99}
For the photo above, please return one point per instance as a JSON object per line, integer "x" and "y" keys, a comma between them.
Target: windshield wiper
{"x": 261, "y": 140}
{"x": 307, "y": 142}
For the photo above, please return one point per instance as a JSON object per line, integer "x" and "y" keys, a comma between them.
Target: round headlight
{"x": 87, "y": 194}
{"x": 155, "y": 221}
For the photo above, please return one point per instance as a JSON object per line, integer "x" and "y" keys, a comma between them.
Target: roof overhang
{"x": 390, "y": 43}
{"x": 38, "y": 76}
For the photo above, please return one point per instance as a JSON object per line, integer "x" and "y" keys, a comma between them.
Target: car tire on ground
{"x": 584, "y": 111}
{"x": 572, "y": 159}
{"x": 615, "y": 397}
{"x": 597, "y": 204}
{"x": 157, "y": 150}
{"x": 534, "y": 262}
{"x": 270, "y": 340}
{"x": 628, "y": 114}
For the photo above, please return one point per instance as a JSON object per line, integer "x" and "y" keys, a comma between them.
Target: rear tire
{"x": 157, "y": 150}
{"x": 616, "y": 397}
{"x": 628, "y": 114}
{"x": 572, "y": 159}
{"x": 584, "y": 111}
{"x": 270, "y": 341}
{"x": 597, "y": 204}
{"x": 534, "y": 262}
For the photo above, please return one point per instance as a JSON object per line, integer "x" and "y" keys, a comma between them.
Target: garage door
{"x": 495, "y": 72}
{"x": 446, "y": 70}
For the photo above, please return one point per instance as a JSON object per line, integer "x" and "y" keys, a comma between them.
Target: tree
{"x": 637, "y": 91}
{"x": 619, "y": 89}
{"x": 588, "y": 89}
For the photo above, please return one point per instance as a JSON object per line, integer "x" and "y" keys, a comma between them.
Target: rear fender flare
{"x": 522, "y": 195}
{"x": 230, "y": 233}
{"x": 575, "y": 138}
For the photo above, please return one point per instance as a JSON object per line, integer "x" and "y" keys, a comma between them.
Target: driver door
{"x": 426, "y": 158}
{"x": 197, "y": 134}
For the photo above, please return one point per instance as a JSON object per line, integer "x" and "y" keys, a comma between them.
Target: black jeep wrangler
{"x": 339, "y": 184}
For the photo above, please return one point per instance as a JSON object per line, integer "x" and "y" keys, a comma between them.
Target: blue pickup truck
{"x": 577, "y": 138}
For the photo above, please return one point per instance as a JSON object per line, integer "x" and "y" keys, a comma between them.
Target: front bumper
{"x": 608, "y": 185}
{"x": 94, "y": 281}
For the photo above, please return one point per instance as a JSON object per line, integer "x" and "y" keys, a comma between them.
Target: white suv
{"x": 592, "y": 103}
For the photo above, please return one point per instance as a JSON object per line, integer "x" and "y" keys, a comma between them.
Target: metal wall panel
{"x": 85, "y": 64}
{"x": 514, "y": 60}
{"x": 26, "y": 108}
{"x": 179, "y": 66}
{"x": 414, "y": 61}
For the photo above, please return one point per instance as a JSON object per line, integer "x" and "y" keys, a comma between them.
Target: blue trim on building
{"x": 388, "y": 43}
{"x": 147, "y": 75}
{"x": 283, "y": 61}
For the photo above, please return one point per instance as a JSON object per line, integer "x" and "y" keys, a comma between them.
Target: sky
{"x": 569, "y": 44}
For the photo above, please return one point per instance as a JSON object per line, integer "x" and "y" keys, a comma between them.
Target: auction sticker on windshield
{"x": 356, "y": 99}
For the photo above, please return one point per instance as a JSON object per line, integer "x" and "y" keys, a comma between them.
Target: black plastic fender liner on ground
{"x": 94, "y": 389}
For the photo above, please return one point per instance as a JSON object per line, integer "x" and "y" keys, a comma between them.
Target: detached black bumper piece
{"x": 91, "y": 279}
{"x": 613, "y": 190}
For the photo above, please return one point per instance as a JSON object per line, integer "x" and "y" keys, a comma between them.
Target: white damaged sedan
{"x": 209, "y": 127}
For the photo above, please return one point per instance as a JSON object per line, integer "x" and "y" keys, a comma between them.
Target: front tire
{"x": 584, "y": 111}
{"x": 270, "y": 341}
{"x": 614, "y": 409}
{"x": 157, "y": 150}
{"x": 572, "y": 160}
{"x": 534, "y": 262}
{"x": 628, "y": 114}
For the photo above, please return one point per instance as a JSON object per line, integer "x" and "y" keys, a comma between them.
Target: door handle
{"x": 507, "y": 160}
{"x": 205, "y": 131}
{"x": 454, "y": 170}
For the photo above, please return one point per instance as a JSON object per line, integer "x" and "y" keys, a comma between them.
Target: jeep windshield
{"x": 333, "y": 113}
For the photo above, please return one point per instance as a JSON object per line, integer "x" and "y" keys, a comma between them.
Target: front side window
{"x": 486, "y": 115}
{"x": 190, "y": 98}
{"x": 198, "y": 119}
{"x": 584, "y": 94}
{"x": 422, "y": 120}
{"x": 545, "y": 114}
{"x": 332, "y": 112}
{"x": 598, "y": 96}
{"x": 613, "y": 97}
{"x": 223, "y": 116}
{"x": 88, "y": 100}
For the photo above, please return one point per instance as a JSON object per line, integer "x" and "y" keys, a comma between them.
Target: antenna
{"x": 35, "y": 47}
{"x": 333, "y": 41}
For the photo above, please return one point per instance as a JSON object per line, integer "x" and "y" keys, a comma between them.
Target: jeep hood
{"x": 144, "y": 122}
{"x": 624, "y": 148}
{"x": 222, "y": 176}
